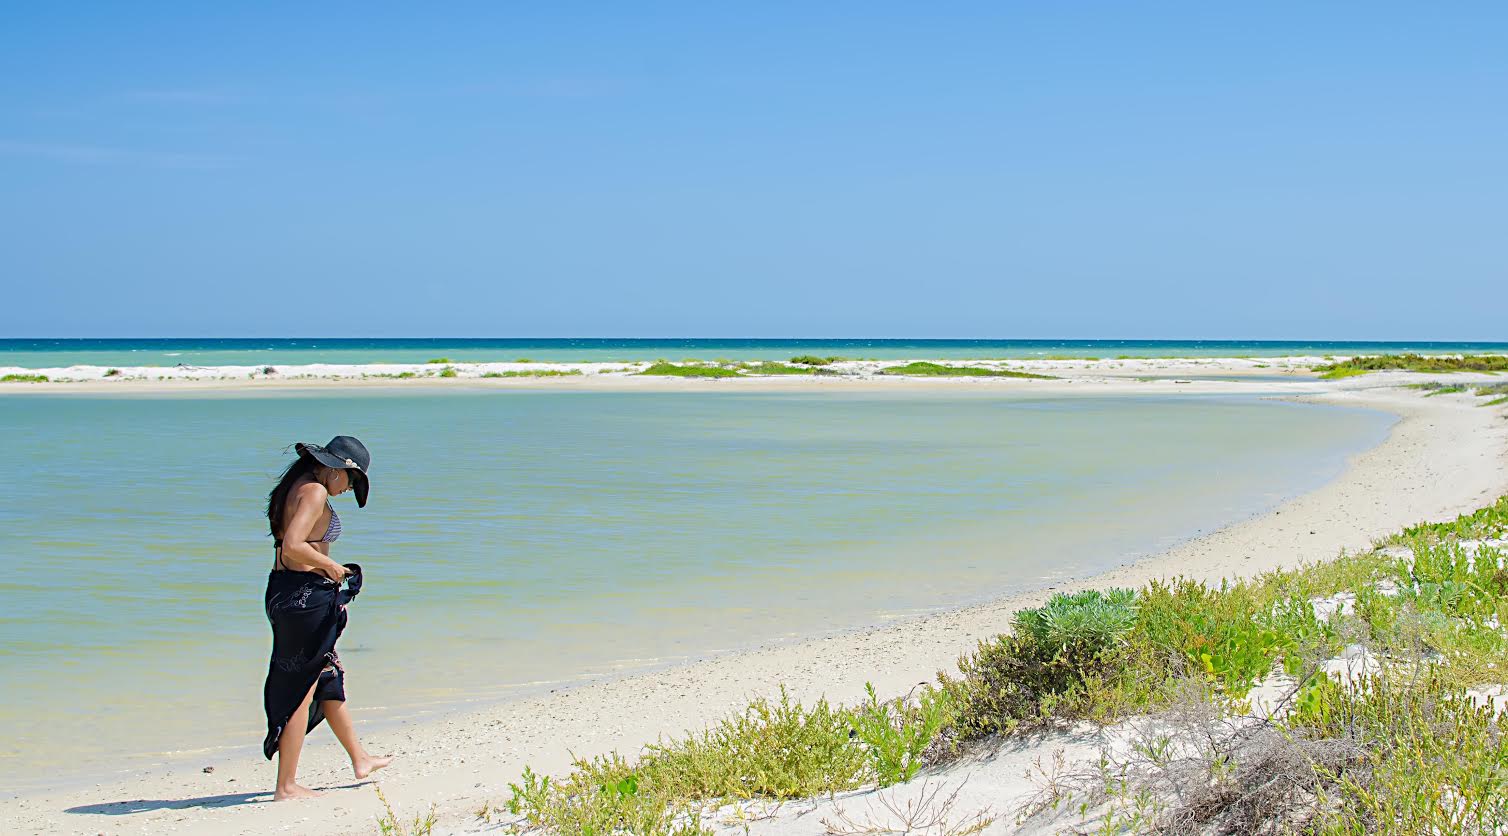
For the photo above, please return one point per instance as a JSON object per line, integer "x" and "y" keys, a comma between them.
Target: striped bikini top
{"x": 332, "y": 533}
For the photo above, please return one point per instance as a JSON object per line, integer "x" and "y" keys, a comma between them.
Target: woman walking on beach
{"x": 307, "y": 608}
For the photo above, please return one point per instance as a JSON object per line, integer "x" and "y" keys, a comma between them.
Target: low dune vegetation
{"x": 24, "y": 378}
{"x": 1498, "y": 392}
{"x": 1376, "y": 670}
{"x": 536, "y": 373}
{"x": 772, "y": 367}
{"x": 1414, "y": 363}
{"x": 664, "y": 368}
{"x": 926, "y": 369}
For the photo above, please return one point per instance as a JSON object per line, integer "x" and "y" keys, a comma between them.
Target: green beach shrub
{"x": 925, "y": 369}
{"x": 772, "y": 750}
{"x": 776, "y": 750}
{"x": 24, "y": 378}
{"x": 112, "y": 372}
{"x": 1050, "y": 669}
{"x": 1081, "y": 625}
{"x": 437, "y": 361}
{"x": 448, "y": 371}
{"x": 1415, "y": 363}
{"x": 772, "y": 368}
{"x": 812, "y": 360}
{"x": 601, "y": 796}
{"x": 897, "y": 733}
{"x": 664, "y": 369}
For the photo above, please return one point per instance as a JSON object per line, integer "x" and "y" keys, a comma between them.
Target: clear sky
{"x": 1312, "y": 170}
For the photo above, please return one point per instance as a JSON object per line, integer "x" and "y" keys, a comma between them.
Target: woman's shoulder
{"x": 311, "y": 490}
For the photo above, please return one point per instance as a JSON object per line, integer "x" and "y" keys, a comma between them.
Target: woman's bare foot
{"x": 369, "y": 764}
{"x": 293, "y": 792}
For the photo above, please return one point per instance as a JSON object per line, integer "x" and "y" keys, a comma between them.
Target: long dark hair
{"x": 278, "y": 499}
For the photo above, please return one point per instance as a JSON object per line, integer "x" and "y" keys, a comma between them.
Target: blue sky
{"x": 1139, "y": 170}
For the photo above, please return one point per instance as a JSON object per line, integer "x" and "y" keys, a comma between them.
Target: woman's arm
{"x": 308, "y": 506}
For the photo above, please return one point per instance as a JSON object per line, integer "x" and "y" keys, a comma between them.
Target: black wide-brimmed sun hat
{"x": 346, "y": 453}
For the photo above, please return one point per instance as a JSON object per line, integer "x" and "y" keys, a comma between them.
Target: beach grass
{"x": 926, "y": 369}
{"x": 1414, "y": 363}
{"x": 24, "y": 378}
{"x": 439, "y": 361}
{"x": 666, "y": 369}
{"x": 112, "y": 372}
{"x": 813, "y": 360}
{"x": 389, "y": 824}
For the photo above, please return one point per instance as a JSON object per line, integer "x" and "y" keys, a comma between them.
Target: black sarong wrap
{"x": 308, "y": 612}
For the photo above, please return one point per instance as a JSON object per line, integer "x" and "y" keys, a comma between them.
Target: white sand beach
{"x": 1445, "y": 455}
{"x": 191, "y": 378}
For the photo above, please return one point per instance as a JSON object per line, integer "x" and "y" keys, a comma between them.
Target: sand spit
{"x": 1445, "y": 455}
{"x": 149, "y": 378}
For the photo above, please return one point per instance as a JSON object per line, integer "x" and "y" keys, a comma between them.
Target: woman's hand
{"x": 335, "y": 572}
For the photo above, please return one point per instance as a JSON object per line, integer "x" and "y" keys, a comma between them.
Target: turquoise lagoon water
{"x": 517, "y": 540}
{"x": 53, "y": 353}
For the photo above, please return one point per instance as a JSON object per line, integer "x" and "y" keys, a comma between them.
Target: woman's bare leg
{"x": 345, "y": 731}
{"x": 290, "y": 744}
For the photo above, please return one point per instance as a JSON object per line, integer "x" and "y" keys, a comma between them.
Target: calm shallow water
{"x": 52, "y": 353}
{"x": 517, "y": 538}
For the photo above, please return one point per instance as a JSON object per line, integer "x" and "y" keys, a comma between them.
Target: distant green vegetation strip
{"x": 1414, "y": 363}
{"x": 24, "y": 378}
{"x": 1497, "y": 391}
{"x": 1337, "y": 374}
{"x": 924, "y": 369}
{"x": 665, "y": 369}
{"x": 536, "y": 373}
{"x": 768, "y": 367}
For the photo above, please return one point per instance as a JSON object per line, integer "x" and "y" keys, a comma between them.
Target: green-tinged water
{"x": 523, "y": 538}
